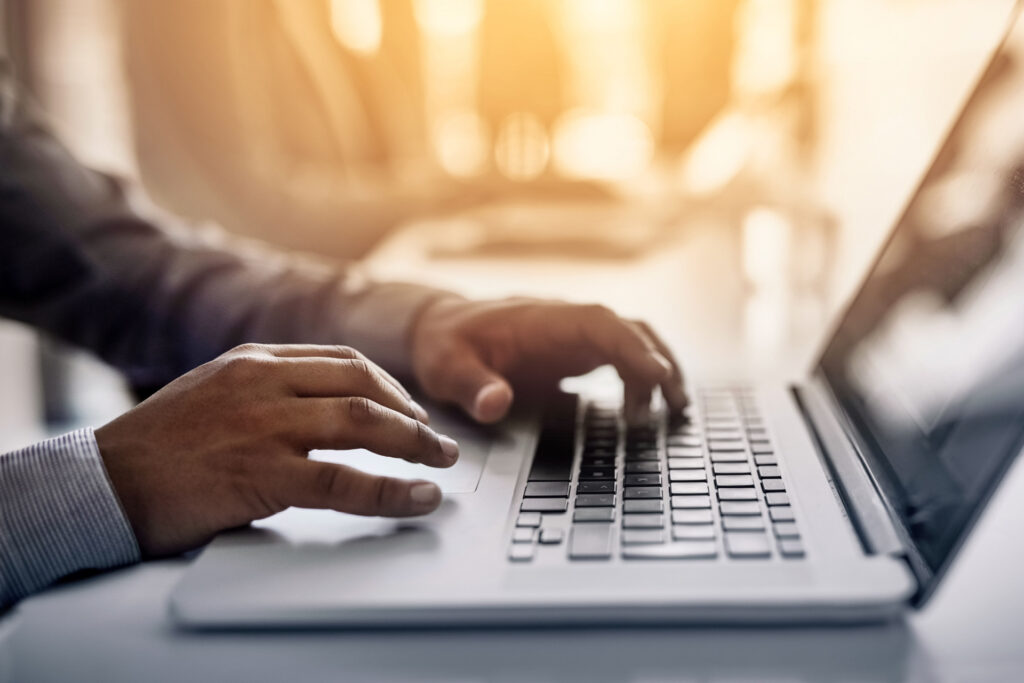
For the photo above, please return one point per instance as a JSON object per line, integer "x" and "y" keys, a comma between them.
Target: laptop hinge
{"x": 854, "y": 485}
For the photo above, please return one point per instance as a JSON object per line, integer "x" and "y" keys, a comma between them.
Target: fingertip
{"x": 492, "y": 402}
{"x": 425, "y": 496}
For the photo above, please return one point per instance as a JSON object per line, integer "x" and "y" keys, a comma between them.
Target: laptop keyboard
{"x": 703, "y": 488}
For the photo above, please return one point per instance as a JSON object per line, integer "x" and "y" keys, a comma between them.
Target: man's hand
{"x": 227, "y": 443}
{"x": 475, "y": 353}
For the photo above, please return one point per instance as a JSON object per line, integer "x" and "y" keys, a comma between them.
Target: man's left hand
{"x": 479, "y": 354}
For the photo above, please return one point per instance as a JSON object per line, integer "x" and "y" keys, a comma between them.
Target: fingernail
{"x": 425, "y": 495}
{"x": 419, "y": 412}
{"x": 449, "y": 447}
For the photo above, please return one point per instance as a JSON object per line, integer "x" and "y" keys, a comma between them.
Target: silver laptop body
{"x": 842, "y": 499}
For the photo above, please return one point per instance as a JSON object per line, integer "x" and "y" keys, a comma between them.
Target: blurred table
{"x": 114, "y": 627}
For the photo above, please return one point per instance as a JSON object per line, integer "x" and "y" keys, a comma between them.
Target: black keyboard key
{"x": 549, "y": 505}
{"x": 643, "y": 455}
{"x": 652, "y": 505}
{"x": 635, "y": 492}
{"x": 597, "y": 473}
{"x": 597, "y": 461}
{"x": 552, "y": 461}
{"x": 642, "y": 467}
{"x": 642, "y": 480}
{"x": 546, "y": 489}
{"x": 595, "y": 487}
{"x": 595, "y": 500}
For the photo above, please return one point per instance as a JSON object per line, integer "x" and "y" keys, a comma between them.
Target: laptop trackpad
{"x": 474, "y": 446}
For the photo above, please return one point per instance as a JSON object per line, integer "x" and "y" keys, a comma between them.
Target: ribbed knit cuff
{"x": 58, "y": 515}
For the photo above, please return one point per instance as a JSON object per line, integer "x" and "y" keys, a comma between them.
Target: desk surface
{"x": 114, "y": 627}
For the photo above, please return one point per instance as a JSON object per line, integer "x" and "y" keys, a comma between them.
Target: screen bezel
{"x": 928, "y": 576}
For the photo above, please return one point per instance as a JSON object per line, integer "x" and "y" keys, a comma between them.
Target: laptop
{"x": 842, "y": 499}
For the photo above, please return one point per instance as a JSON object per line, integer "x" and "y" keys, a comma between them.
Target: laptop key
{"x": 693, "y": 532}
{"x": 686, "y": 463}
{"x": 642, "y": 456}
{"x": 731, "y": 468}
{"x": 521, "y": 552}
{"x": 735, "y": 456}
{"x": 685, "y": 441}
{"x": 546, "y": 489}
{"x": 550, "y": 505}
{"x": 769, "y": 472}
{"x": 591, "y": 473}
{"x": 643, "y": 521}
{"x": 687, "y": 475}
{"x": 590, "y": 541}
{"x": 720, "y": 446}
{"x": 528, "y": 519}
{"x": 634, "y": 492}
{"x": 595, "y": 487}
{"x": 726, "y": 480}
{"x": 599, "y": 462}
{"x": 692, "y": 517}
{"x": 791, "y": 547}
{"x": 688, "y": 488}
{"x": 786, "y": 530}
{"x": 690, "y": 502}
{"x": 737, "y": 494}
{"x": 642, "y": 480}
{"x": 776, "y": 498}
{"x": 677, "y": 550}
{"x": 654, "y": 505}
{"x": 737, "y": 523}
{"x": 594, "y": 515}
{"x": 765, "y": 460}
{"x": 595, "y": 500}
{"x": 729, "y": 507}
{"x": 642, "y": 467}
{"x": 638, "y": 536}
{"x": 684, "y": 452}
{"x": 747, "y": 545}
{"x": 782, "y": 513}
{"x": 773, "y": 485}
{"x": 523, "y": 534}
{"x": 551, "y": 536}
{"x": 759, "y": 447}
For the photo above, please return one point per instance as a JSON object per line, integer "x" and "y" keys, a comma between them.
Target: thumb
{"x": 481, "y": 392}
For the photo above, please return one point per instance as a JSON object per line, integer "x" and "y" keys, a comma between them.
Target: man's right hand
{"x": 228, "y": 442}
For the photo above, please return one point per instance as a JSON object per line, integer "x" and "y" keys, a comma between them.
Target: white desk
{"x": 114, "y": 627}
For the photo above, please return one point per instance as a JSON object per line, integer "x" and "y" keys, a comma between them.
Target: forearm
{"x": 58, "y": 515}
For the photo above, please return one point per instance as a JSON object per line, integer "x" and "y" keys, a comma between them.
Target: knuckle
{"x": 361, "y": 410}
{"x": 244, "y": 365}
{"x": 346, "y": 352}
{"x": 247, "y": 349}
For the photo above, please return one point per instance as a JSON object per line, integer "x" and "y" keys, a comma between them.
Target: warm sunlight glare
{"x": 357, "y": 24}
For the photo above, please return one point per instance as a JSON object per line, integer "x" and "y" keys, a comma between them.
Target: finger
{"x": 637, "y": 402}
{"x": 331, "y": 377}
{"x": 327, "y": 351}
{"x": 333, "y": 351}
{"x": 622, "y": 344}
{"x": 311, "y": 484}
{"x": 673, "y": 388}
{"x": 358, "y": 422}
{"x": 466, "y": 380}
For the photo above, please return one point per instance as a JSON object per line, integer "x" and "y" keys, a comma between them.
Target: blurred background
{"x": 726, "y": 168}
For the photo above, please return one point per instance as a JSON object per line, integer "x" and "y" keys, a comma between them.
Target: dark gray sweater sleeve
{"x": 151, "y": 296}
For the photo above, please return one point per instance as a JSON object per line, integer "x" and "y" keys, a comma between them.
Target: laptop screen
{"x": 928, "y": 362}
